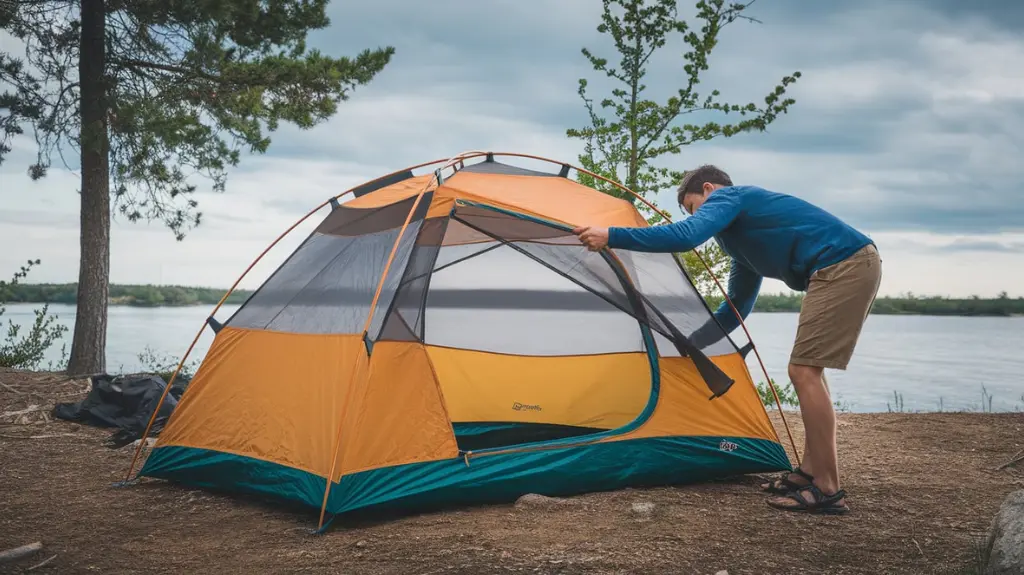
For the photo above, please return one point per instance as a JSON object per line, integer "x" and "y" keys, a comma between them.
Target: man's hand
{"x": 594, "y": 238}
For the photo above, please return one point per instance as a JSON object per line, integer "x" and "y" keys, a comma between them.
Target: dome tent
{"x": 444, "y": 338}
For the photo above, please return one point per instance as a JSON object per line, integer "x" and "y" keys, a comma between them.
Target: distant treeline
{"x": 134, "y": 295}
{"x": 148, "y": 295}
{"x": 911, "y": 305}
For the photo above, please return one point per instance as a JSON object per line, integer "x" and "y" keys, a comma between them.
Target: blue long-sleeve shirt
{"x": 765, "y": 233}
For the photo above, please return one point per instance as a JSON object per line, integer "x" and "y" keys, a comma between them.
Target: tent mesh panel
{"x": 404, "y": 322}
{"x": 326, "y": 285}
{"x": 602, "y": 274}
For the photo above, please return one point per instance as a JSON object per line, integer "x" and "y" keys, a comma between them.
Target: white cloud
{"x": 403, "y": 129}
{"x": 909, "y": 124}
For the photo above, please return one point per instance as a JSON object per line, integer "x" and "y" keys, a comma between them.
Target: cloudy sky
{"x": 909, "y": 124}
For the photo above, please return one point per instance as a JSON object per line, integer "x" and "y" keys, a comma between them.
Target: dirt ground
{"x": 923, "y": 489}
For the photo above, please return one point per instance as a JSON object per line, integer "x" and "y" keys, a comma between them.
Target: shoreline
{"x": 142, "y": 305}
{"x": 181, "y": 296}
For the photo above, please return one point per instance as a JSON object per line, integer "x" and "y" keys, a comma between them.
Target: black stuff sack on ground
{"x": 124, "y": 402}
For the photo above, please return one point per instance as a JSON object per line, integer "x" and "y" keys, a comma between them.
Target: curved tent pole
{"x": 369, "y": 320}
{"x": 662, "y": 213}
{"x": 174, "y": 375}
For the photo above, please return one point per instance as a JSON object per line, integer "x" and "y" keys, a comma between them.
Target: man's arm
{"x": 744, "y": 285}
{"x": 715, "y": 215}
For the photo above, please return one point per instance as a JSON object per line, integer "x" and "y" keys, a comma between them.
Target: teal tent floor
{"x": 492, "y": 478}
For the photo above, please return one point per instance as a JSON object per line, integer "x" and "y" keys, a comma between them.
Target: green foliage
{"x": 133, "y": 295}
{"x": 26, "y": 352}
{"x": 629, "y": 131}
{"x": 188, "y": 87}
{"x": 937, "y": 305}
{"x": 704, "y": 280}
{"x": 164, "y": 366}
{"x": 787, "y": 395}
{"x": 909, "y": 304}
{"x": 790, "y": 302}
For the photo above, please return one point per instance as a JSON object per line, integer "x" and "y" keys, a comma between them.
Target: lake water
{"x": 926, "y": 359}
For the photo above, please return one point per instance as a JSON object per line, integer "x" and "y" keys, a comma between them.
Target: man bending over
{"x": 778, "y": 236}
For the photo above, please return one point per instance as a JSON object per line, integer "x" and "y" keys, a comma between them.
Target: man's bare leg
{"x": 795, "y": 478}
{"x": 820, "y": 454}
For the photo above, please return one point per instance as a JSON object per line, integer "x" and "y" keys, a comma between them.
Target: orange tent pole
{"x": 662, "y": 213}
{"x": 174, "y": 375}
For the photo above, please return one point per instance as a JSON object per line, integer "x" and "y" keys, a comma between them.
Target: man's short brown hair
{"x": 694, "y": 180}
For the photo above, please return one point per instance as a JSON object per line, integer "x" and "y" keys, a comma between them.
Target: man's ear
{"x": 707, "y": 188}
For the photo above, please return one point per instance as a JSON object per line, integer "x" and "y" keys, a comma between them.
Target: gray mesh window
{"x": 661, "y": 281}
{"x": 610, "y": 278}
{"x": 326, "y": 286}
{"x": 404, "y": 321}
{"x": 504, "y": 302}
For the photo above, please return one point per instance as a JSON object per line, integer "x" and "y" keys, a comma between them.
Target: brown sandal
{"x": 783, "y": 485}
{"x": 823, "y": 504}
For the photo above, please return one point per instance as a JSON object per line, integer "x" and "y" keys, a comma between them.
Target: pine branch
{"x": 187, "y": 72}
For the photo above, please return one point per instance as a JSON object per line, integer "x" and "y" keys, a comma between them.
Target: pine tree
{"x": 150, "y": 94}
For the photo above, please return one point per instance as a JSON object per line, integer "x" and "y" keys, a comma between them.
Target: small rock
{"x": 1005, "y": 546}
{"x": 644, "y": 508}
{"x": 722, "y": 572}
{"x": 150, "y": 442}
{"x": 360, "y": 543}
{"x": 535, "y": 501}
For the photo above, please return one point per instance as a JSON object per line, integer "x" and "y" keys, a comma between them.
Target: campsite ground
{"x": 923, "y": 489}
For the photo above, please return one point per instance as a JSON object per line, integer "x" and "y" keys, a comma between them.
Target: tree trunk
{"x": 89, "y": 346}
{"x": 634, "y": 76}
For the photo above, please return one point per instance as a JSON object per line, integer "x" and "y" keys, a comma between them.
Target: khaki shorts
{"x": 834, "y": 309}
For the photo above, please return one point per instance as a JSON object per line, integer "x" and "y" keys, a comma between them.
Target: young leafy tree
{"x": 628, "y": 131}
{"x": 26, "y": 351}
{"x": 154, "y": 95}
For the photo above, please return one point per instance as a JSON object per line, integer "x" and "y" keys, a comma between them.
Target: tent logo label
{"x": 521, "y": 407}
{"x": 727, "y": 446}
